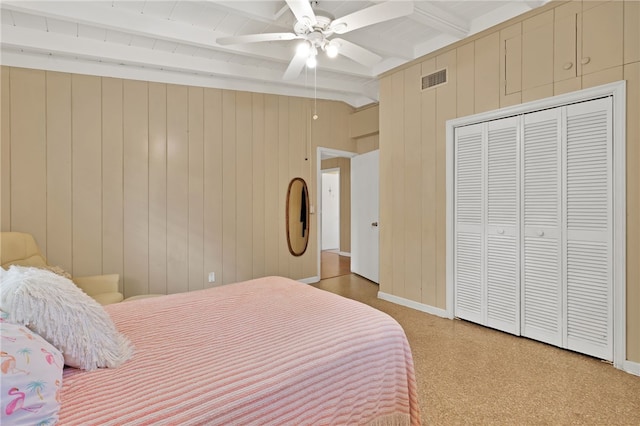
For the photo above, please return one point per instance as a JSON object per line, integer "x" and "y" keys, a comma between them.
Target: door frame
{"x": 333, "y": 153}
{"x": 618, "y": 91}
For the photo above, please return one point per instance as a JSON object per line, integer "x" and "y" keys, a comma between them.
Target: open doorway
{"x": 331, "y": 209}
{"x": 332, "y": 262}
{"x": 334, "y": 221}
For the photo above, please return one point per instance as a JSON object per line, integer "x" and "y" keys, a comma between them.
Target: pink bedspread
{"x": 267, "y": 351}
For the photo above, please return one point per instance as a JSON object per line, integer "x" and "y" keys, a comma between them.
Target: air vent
{"x": 434, "y": 79}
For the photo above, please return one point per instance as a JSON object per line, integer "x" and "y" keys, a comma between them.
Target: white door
{"x": 589, "y": 228}
{"x": 486, "y": 264}
{"x": 502, "y": 222}
{"x": 364, "y": 215}
{"x": 542, "y": 299}
{"x": 469, "y": 222}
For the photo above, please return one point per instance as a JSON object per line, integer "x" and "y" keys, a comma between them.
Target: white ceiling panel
{"x": 231, "y": 24}
{"x": 188, "y": 11}
{"x": 183, "y": 40}
{"x": 159, "y": 9}
{"x": 134, "y": 6}
{"x": 27, "y": 20}
{"x": 210, "y": 17}
{"x": 62, "y": 27}
{"x": 118, "y": 37}
{"x": 185, "y": 49}
{"x": 256, "y": 27}
{"x": 145, "y": 42}
{"x": 6, "y": 18}
{"x": 94, "y": 33}
{"x": 165, "y": 46}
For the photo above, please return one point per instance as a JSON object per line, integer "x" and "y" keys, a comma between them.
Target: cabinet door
{"x": 469, "y": 218}
{"x": 510, "y": 63}
{"x": 501, "y": 230}
{"x": 513, "y": 65}
{"x": 565, "y": 32}
{"x": 542, "y": 299}
{"x": 588, "y": 221}
{"x": 537, "y": 51}
{"x": 602, "y": 32}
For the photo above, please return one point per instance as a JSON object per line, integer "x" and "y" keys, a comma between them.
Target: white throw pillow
{"x": 53, "y": 307}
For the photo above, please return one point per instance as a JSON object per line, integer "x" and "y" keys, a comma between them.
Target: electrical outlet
{"x": 212, "y": 277}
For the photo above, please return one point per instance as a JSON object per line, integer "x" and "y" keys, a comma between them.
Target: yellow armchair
{"x": 18, "y": 248}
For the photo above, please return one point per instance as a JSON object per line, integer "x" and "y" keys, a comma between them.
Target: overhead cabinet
{"x": 533, "y": 225}
{"x": 588, "y": 38}
{"x": 572, "y": 40}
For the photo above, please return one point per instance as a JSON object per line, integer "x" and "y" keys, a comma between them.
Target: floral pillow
{"x": 31, "y": 376}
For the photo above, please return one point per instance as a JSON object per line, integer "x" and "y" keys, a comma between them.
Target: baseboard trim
{"x": 310, "y": 280}
{"x": 631, "y": 367}
{"x": 344, "y": 253}
{"x": 413, "y": 304}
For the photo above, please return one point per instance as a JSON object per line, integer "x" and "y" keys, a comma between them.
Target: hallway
{"x": 334, "y": 265}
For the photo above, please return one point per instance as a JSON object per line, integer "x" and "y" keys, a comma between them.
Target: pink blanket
{"x": 266, "y": 351}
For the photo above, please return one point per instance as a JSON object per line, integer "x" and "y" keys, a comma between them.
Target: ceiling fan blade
{"x": 302, "y": 9}
{"x": 295, "y": 67}
{"x": 252, "y": 38}
{"x": 357, "y": 53}
{"x": 371, "y": 15}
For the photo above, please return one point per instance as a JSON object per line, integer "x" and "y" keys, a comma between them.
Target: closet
{"x": 533, "y": 225}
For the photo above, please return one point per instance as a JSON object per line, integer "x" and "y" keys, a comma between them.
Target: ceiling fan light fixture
{"x": 312, "y": 61}
{"x": 332, "y": 49}
{"x": 303, "y": 48}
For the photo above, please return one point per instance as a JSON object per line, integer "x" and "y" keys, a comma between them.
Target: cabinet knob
{"x": 586, "y": 60}
{"x": 374, "y": 223}
{"x": 500, "y": 231}
{"x": 540, "y": 233}
{"x": 568, "y": 65}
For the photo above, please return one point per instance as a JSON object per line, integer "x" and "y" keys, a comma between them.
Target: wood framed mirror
{"x": 297, "y": 216}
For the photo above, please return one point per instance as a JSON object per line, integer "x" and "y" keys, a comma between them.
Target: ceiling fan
{"x": 317, "y": 27}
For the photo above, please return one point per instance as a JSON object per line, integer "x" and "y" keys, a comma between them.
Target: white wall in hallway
{"x": 331, "y": 210}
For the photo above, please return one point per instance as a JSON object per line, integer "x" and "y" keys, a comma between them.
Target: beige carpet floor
{"x": 468, "y": 374}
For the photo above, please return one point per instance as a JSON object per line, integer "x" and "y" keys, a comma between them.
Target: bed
{"x": 269, "y": 351}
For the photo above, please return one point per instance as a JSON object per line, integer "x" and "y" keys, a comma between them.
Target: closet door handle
{"x": 586, "y": 60}
{"x": 500, "y": 231}
{"x": 568, "y": 65}
{"x": 540, "y": 233}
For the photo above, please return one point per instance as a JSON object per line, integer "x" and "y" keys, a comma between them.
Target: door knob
{"x": 586, "y": 60}
{"x": 374, "y": 223}
{"x": 540, "y": 233}
{"x": 500, "y": 231}
{"x": 568, "y": 65}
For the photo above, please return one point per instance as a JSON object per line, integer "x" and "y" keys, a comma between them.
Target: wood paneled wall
{"x": 368, "y": 143}
{"x": 412, "y": 129}
{"x": 157, "y": 182}
{"x": 363, "y": 128}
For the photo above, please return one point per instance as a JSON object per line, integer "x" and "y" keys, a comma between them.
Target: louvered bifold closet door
{"x": 589, "y": 228}
{"x": 542, "y": 295}
{"x": 502, "y": 226}
{"x": 469, "y": 220}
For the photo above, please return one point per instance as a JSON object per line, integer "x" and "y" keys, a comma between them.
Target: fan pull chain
{"x": 315, "y": 94}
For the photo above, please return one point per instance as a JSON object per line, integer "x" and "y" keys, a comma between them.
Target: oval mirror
{"x": 297, "y": 216}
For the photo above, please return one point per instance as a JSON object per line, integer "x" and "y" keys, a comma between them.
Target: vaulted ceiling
{"x": 176, "y": 41}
